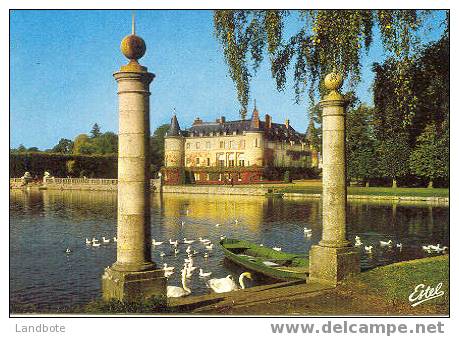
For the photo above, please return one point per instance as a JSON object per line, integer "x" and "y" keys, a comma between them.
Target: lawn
{"x": 377, "y": 191}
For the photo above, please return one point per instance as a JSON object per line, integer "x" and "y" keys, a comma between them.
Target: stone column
{"x": 133, "y": 276}
{"x": 334, "y": 258}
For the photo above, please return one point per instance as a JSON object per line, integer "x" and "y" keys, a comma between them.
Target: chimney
{"x": 287, "y": 123}
{"x": 268, "y": 121}
{"x": 197, "y": 121}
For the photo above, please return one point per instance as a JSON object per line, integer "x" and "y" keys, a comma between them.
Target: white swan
{"x": 202, "y": 274}
{"x": 115, "y": 239}
{"x": 173, "y": 291}
{"x": 307, "y": 230}
{"x": 223, "y": 285}
{"x": 188, "y": 250}
{"x": 166, "y": 268}
{"x": 104, "y": 240}
{"x": 68, "y": 251}
{"x": 88, "y": 242}
{"x": 183, "y": 223}
{"x": 206, "y": 255}
{"x": 95, "y": 244}
{"x": 277, "y": 249}
{"x": 176, "y": 251}
{"x": 385, "y": 243}
{"x": 188, "y": 242}
{"x": 162, "y": 254}
{"x": 217, "y": 225}
{"x": 368, "y": 249}
{"x": 174, "y": 243}
{"x": 399, "y": 245}
{"x": 358, "y": 243}
{"x": 94, "y": 240}
{"x": 210, "y": 247}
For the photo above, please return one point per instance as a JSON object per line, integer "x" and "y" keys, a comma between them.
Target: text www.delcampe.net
{"x": 357, "y": 328}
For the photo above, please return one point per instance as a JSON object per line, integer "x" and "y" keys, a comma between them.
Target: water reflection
{"x": 44, "y": 223}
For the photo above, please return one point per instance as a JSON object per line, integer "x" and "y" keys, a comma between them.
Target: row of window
{"x": 223, "y": 144}
{"x": 221, "y": 162}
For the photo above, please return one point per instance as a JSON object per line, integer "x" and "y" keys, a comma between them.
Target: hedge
{"x": 62, "y": 165}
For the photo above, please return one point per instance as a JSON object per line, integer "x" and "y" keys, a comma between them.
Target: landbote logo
{"x": 423, "y": 293}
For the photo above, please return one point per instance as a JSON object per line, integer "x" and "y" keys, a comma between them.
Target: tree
{"x": 325, "y": 40}
{"x": 64, "y": 146}
{"x": 95, "y": 131}
{"x": 360, "y": 144}
{"x": 33, "y": 149}
{"x": 82, "y": 144}
{"x": 430, "y": 158}
{"x": 21, "y": 148}
{"x": 157, "y": 147}
{"x": 105, "y": 143}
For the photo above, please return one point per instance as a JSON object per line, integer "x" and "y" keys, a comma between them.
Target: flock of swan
{"x": 390, "y": 244}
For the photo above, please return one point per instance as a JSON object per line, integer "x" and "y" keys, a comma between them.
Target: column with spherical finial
{"x": 334, "y": 258}
{"x": 134, "y": 275}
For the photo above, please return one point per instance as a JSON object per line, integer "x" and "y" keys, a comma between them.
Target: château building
{"x": 236, "y": 152}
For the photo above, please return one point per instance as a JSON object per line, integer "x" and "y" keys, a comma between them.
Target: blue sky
{"x": 62, "y": 64}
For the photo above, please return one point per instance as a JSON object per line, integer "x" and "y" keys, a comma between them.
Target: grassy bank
{"x": 374, "y": 191}
{"x": 381, "y": 291}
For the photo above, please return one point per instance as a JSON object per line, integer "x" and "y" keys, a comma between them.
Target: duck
{"x": 188, "y": 242}
{"x": 307, "y": 230}
{"x": 188, "y": 249}
{"x": 94, "y": 240}
{"x": 162, "y": 254}
{"x": 277, "y": 249}
{"x": 227, "y": 284}
{"x": 217, "y": 225}
{"x": 206, "y": 255}
{"x": 88, "y": 242}
{"x": 369, "y": 249}
{"x": 104, "y": 240}
{"x": 210, "y": 247}
{"x": 167, "y": 268}
{"x": 202, "y": 274}
{"x": 95, "y": 244}
{"x": 173, "y": 243}
{"x": 156, "y": 243}
{"x": 385, "y": 243}
{"x": 358, "y": 243}
{"x": 399, "y": 245}
{"x": 168, "y": 274}
{"x": 173, "y": 291}
{"x": 68, "y": 251}
{"x": 308, "y": 235}
{"x": 176, "y": 251}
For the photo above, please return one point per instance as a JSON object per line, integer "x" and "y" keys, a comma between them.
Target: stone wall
{"x": 222, "y": 190}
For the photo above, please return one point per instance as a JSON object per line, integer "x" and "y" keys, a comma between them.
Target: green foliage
{"x": 80, "y": 144}
{"x": 287, "y": 177}
{"x": 65, "y": 146}
{"x": 95, "y": 131}
{"x": 360, "y": 144}
{"x": 60, "y": 165}
{"x": 326, "y": 40}
{"x": 430, "y": 158}
{"x": 157, "y": 148}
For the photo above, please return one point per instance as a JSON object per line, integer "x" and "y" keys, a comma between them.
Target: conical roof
{"x": 174, "y": 129}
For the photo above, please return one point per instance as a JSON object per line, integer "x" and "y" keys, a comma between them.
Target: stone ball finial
{"x": 133, "y": 47}
{"x": 333, "y": 81}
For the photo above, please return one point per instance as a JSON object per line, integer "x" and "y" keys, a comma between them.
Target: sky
{"x": 62, "y": 62}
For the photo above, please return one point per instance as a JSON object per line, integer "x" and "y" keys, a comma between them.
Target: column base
{"x": 331, "y": 265}
{"x": 127, "y": 286}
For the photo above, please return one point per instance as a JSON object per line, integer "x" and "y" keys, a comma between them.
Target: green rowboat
{"x": 267, "y": 261}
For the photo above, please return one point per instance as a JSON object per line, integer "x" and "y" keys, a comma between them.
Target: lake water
{"x": 44, "y": 223}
